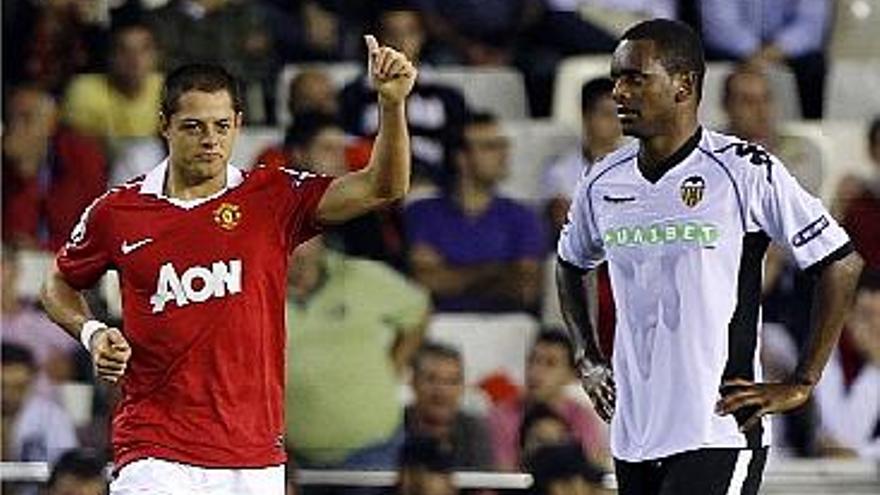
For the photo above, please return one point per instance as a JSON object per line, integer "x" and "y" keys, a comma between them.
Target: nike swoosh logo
{"x": 618, "y": 199}
{"x": 128, "y": 248}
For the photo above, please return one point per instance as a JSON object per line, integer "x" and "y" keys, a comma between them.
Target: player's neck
{"x": 656, "y": 151}
{"x": 182, "y": 186}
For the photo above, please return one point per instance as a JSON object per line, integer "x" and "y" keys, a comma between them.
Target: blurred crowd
{"x": 369, "y": 385}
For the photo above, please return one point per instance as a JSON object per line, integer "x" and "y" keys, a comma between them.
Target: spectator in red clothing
{"x": 50, "y": 172}
{"x": 860, "y": 204}
{"x": 549, "y": 369}
{"x": 313, "y": 92}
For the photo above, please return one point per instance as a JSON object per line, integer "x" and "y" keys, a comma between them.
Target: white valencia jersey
{"x": 685, "y": 256}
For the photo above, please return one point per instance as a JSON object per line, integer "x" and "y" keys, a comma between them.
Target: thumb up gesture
{"x": 391, "y": 74}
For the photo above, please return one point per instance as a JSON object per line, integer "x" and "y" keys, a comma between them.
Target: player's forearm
{"x": 65, "y": 305}
{"x": 389, "y": 167}
{"x": 834, "y": 294}
{"x": 573, "y": 301}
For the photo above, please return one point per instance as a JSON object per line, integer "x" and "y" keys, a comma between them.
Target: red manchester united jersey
{"x": 203, "y": 295}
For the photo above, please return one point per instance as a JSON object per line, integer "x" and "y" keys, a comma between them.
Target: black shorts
{"x": 704, "y": 472}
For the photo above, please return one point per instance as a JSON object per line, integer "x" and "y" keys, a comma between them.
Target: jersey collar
{"x": 154, "y": 184}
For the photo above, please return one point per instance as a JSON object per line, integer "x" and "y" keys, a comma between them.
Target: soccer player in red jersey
{"x": 202, "y": 250}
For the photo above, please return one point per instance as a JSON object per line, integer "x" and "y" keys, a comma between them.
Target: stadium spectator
{"x": 124, "y": 101}
{"x": 438, "y": 386}
{"x": 549, "y": 370}
{"x": 860, "y": 203}
{"x": 312, "y": 90}
{"x": 600, "y": 135}
{"x": 47, "y": 42}
{"x": 750, "y": 107}
{"x": 34, "y": 427}
{"x": 848, "y": 395}
{"x": 563, "y": 470}
{"x": 367, "y": 312}
{"x": 316, "y": 30}
{"x": 424, "y": 468}
{"x": 316, "y": 142}
{"x": 769, "y": 32}
{"x": 226, "y": 32}
{"x": 50, "y": 172}
{"x": 501, "y": 272}
{"x": 23, "y": 324}
{"x": 78, "y": 472}
{"x": 435, "y": 112}
{"x": 541, "y": 427}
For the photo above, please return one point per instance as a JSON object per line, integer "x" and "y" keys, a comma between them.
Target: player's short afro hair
{"x": 679, "y": 46}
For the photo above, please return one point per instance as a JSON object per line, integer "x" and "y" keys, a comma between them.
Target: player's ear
{"x": 686, "y": 86}
{"x": 239, "y": 119}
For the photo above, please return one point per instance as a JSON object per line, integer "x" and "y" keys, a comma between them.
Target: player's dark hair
{"x": 874, "y": 131}
{"x": 556, "y": 337}
{"x": 434, "y": 349}
{"x": 306, "y": 126}
{"x": 209, "y": 78}
{"x": 594, "y": 90}
{"x": 81, "y": 464}
{"x": 679, "y": 46}
{"x": 17, "y": 354}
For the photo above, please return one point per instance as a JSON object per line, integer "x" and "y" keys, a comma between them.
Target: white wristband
{"x": 88, "y": 331}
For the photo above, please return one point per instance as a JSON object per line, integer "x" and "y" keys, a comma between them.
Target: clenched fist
{"x": 110, "y": 353}
{"x": 390, "y": 72}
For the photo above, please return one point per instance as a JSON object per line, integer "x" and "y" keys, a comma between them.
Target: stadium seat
{"x": 499, "y": 90}
{"x": 853, "y": 89}
{"x": 489, "y": 343}
{"x": 573, "y": 72}
{"x": 533, "y": 143}
{"x": 854, "y": 35}
{"x": 340, "y": 73}
{"x": 251, "y": 142}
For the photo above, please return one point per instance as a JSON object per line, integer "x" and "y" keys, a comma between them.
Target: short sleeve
{"x": 791, "y": 216}
{"x": 579, "y": 242}
{"x": 301, "y": 193}
{"x": 86, "y": 256}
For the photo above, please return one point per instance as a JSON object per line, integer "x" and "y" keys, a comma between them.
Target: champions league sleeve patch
{"x": 810, "y": 232}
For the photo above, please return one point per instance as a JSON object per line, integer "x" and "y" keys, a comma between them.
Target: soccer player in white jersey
{"x": 683, "y": 216}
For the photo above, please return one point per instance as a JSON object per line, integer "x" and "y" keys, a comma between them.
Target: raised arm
{"x": 386, "y": 177}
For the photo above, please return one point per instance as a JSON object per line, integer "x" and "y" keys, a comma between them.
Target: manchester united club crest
{"x": 227, "y": 216}
{"x": 692, "y": 190}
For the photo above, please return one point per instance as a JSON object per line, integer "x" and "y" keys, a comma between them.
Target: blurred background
{"x": 435, "y": 318}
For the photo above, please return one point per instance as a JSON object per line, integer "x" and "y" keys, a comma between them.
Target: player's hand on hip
{"x": 389, "y": 71}
{"x": 760, "y": 399}
{"x": 598, "y": 382}
{"x": 110, "y": 353}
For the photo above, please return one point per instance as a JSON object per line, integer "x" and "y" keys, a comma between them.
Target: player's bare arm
{"x": 386, "y": 177}
{"x": 67, "y": 307}
{"x": 834, "y": 293}
{"x": 594, "y": 368}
